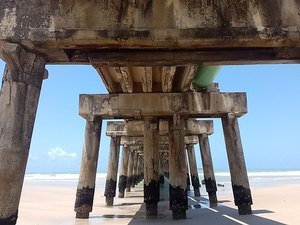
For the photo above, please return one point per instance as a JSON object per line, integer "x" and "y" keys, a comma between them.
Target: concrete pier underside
{"x": 190, "y": 32}
{"x": 147, "y": 62}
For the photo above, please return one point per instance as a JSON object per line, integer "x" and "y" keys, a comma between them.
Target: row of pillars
{"x": 20, "y": 91}
{"x": 131, "y": 172}
{"x": 135, "y": 167}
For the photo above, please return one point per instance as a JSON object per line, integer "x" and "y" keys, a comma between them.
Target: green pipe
{"x": 205, "y": 76}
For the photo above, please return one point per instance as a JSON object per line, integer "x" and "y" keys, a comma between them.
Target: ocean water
{"x": 59, "y": 179}
{"x": 256, "y": 178}
{"x": 264, "y": 178}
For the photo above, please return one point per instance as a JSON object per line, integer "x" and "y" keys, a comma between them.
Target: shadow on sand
{"x": 221, "y": 215}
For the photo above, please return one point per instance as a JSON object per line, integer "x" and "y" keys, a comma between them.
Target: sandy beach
{"x": 48, "y": 203}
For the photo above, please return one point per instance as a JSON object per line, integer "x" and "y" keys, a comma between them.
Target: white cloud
{"x": 59, "y": 153}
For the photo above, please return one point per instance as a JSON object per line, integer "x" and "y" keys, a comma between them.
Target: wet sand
{"x": 43, "y": 204}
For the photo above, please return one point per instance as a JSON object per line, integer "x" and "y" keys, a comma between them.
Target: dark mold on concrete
{"x": 84, "y": 196}
{"x": 110, "y": 188}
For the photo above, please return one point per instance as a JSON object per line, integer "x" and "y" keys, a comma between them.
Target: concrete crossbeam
{"x": 136, "y": 128}
{"x": 69, "y": 31}
{"x": 163, "y": 140}
{"x": 192, "y": 127}
{"x": 137, "y": 106}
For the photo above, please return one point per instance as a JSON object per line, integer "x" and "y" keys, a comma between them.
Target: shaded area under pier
{"x": 199, "y": 212}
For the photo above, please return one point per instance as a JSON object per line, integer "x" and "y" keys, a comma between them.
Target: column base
{"x": 109, "y": 201}
{"x": 245, "y": 210}
{"x": 12, "y": 220}
{"x": 196, "y": 192}
{"x": 213, "y": 198}
{"x": 122, "y": 185}
{"x": 151, "y": 210}
{"x": 179, "y": 214}
{"x": 122, "y": 194}
{"x": 178, "y": 202}
{"x": 128, "y": 189}
{"x": 82, "y": 215}
{"x": 161, "y": 179}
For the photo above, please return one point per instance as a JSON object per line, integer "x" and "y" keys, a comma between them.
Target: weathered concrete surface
{"x": 192, "y": 127}
{"x": 123, "y": 171}
{"x": 135, "y": 168}
{"x": 177, "y": 169}
{"x": 213, "y": 104}
{"x": 140, "y": 172}
{"x": 151, "y": 166}
{"x": 88, "y": 170}
{"x": 19, "y": 98}
{"x": 130, "y": 171}
{"x": 140, "y": 79}
{"x": 237, "y": 165}
{"x": 193, "y": 169}
{"x": 131, "y": 130}
{"x": 66, "y": 31}
{"x": 112, "y": 170}
{"x": 137, "y": 143}
{"x": 208, "y": 169}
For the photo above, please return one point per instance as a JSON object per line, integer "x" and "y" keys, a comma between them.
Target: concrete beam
{"x": 163, "y": 140}
{"x": 228, "y": 55}
{"x": 65, "y": 31}
{"x": 147, "y": 79}
{"x": 125, "y": 79}
{"x": 136, "y": 106}
{"x": 104, "y": 73}
{"x": 196, "y": 127}
{"x": 136, "y": 128}
{"x": 167, "y": 74}
{"x": 192, "y": 127}
{"x": 187, "y": 78}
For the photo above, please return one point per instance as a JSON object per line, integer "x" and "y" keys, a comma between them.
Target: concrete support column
{"x": 161, "y": 171}
{"x": 177, "y": 169}
{"x": 112, "y": 170}
{"x": 188, "y": 180}
{"x": 123, "y": 172}
{"x": 140, "y": 169}
{"x": 237, "y": 165}
{"x": 19, "y": 96}
{"x": 208, "y": 169}
{"x": 134, "y": 169}
{"x": 193, "y": 169}
{"x": 151, "y": 167}
{"x": 129, "y": 171}
{"x": 166, "y": 166}
{"x": 88, "y": 170}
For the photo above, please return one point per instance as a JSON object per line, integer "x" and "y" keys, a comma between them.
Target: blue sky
{"x": 270, "y": 131}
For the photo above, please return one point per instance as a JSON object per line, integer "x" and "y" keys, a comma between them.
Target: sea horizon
{"x": 257, "y": 177}
{"x": 217, "y": 171}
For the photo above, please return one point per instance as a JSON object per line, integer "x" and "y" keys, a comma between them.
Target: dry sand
{"x": 53, "y": 204}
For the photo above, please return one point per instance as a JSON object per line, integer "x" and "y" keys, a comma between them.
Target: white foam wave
{"x": 275, "y": 174}
{"x": 262, "y": 174}
{"x": 57, "y": 176}
{"x": 74, "y": 177}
